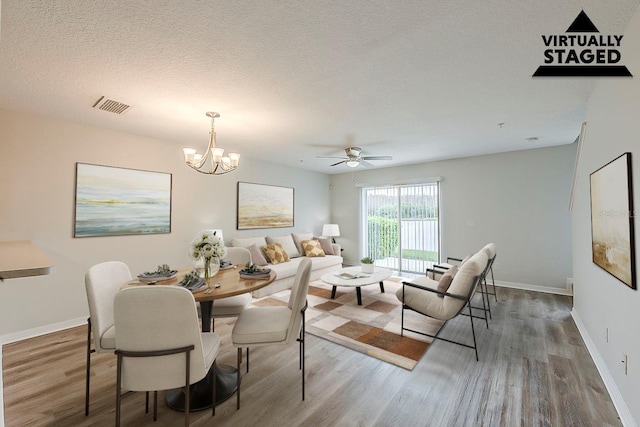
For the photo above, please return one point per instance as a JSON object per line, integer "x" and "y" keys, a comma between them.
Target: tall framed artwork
{"x": 113, "y": 201}
{"x": 264, "y": 206}
{"x": 612, "y": 225}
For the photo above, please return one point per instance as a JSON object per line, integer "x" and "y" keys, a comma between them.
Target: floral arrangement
{"x": 207, "y": 246}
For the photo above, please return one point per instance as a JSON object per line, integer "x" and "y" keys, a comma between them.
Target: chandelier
{"x": 219, "y": 164}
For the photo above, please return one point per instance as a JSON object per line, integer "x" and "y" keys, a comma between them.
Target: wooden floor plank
{"x": 534, "y": 369}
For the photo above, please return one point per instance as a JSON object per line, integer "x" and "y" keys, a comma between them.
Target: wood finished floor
{"x": 534, "y": 370}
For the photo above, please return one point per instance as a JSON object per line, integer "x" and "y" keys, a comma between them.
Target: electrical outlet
{"x": 607, "y": 335}
{"x": 625, "y": 362}
{"x": 497, "y": 266}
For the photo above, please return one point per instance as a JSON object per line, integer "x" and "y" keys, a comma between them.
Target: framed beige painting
{"x": 264, "y": 206}
{"x": 612, "y": 227}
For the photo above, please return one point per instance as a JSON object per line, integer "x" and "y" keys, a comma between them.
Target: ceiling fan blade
{"x": 329, "y": 157}
{"x": 335, "y": 164}
{"x": 377, "y": 158}
{"x": 365, "y": 163}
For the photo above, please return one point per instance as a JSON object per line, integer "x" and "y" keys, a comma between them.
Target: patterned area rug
{"x": 372, "y": 328}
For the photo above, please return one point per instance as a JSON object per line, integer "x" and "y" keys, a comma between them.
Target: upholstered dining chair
{"x": 102, "y": 282}
{"x": 281, "y": 325}
{"x": 159, "y": 344}
{"x": 422, "y": 296}
{"x": 490, "y": 250}
{"x": 232, "y": 306}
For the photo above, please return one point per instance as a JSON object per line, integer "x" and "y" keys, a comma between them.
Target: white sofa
{"x": 286, "y": 271}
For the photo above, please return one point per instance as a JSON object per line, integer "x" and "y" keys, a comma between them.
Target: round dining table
{"x": 226, "y": 283}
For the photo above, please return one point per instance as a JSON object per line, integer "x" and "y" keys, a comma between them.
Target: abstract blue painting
{"x": 112, "y": 201}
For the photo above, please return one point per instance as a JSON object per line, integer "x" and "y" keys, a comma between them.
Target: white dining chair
{"x": 280, "y": 325}
{"x": 102, "y": 282}
{"x": 232, "y": 306}
{"x": 160, "y": 345}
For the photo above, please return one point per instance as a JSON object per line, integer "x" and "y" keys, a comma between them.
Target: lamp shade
{"x": 331, "y": 230}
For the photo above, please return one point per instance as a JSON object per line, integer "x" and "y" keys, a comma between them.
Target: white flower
{"x": 207, "y": 245}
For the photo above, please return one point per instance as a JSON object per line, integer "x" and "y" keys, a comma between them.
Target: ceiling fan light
{"x": 353, "y": 163}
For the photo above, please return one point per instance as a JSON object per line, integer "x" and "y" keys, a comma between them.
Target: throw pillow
{"x": 275, "y": 253}
{"x": 312, "y": 248}
{"x": 326, "y": 245}
{"x": 287, "y": 244}
{"x": 256, "y": 256}
{"x": 298, "y": 238}
{"x": 447, "y": 278}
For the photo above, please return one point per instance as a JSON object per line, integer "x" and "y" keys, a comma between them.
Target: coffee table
{"x": 337, "y": 278}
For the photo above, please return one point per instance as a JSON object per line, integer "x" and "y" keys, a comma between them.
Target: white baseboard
{"x": 535, "y": 288}
{"x": 42, "y": 330}
{"x": 609, "y": 383}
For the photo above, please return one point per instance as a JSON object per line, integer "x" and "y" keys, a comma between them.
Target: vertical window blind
{"x": 400, "y": 226}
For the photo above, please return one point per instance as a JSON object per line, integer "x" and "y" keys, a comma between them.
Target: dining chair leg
{"x": 88, "y": 373}
{"x": 302, "y": 330}
{"x": 486, "y": 292}
{"x": 212, "y": 372}
{"x": 493, "y": 280}
{"x": 238, "y": 377}
{"x": 118, "y": 384}
{"x": 155, "y": 404}
{"x": 247, "y": 360}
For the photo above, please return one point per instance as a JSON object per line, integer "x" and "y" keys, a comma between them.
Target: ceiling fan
{"x": 354, "y": 159}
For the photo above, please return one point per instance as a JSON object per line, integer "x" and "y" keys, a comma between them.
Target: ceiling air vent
{"x": 111, "y": 106}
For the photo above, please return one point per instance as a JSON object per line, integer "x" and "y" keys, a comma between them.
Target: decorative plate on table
{"x": 164, "y": 272}
{"x": 255, "y": 273}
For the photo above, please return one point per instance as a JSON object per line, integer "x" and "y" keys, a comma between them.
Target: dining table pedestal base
{"x": 226, "y": 386}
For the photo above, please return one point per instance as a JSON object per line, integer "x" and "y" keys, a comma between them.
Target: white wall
{"x": 601, "y": 301}
{"x": 517, "y": 200}
{"x": 37, "y": 172}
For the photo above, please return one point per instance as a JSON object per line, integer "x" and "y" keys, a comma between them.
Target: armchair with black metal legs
{"x": 102, "y": 282}
{"x": 265, "y": 326}
{"x": 422, "y": 296}
{"x": 160, "y": 345}
{"x": 490, "y": 250}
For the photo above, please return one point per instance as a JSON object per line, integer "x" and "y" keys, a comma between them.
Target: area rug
{"x": 372, "y": 328}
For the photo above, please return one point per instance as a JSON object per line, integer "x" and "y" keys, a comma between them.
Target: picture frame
{"x": 115, "y": 201}
{"x": 612, "y": 224}
{"x": 264, "y": 206}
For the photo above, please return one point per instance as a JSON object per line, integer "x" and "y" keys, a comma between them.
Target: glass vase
{"x": 211, "y": 267}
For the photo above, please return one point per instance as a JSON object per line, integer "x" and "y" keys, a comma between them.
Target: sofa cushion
{"x": 275, "y": 253}
{"x": 245, "y": 242}
{"x": 287, "y": 244}
{"x": 256, "y": 255}
{"x": 326, "y": 245}
{"x": 298, "y": 238}
{"x": 312, "y": 248}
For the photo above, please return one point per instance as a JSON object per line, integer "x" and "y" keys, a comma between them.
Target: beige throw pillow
{"x": 325, "y": 244}
{"x": 298, "y": 238}
{"x": 447, "y": 278}
{"x": 275, "y": 253}
{"x": 256, "y": 255}
{"x": 287, "y": 244}
{"x": 312, "y": 248}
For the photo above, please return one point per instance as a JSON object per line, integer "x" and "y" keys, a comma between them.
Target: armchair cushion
{"x": 275, "y": 253}
{"x": 312, "y": 248}
{"x": 108, "y": 339}
{"x": 446, "y": 278}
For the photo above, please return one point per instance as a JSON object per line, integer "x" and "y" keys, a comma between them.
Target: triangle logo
{"x": 582, "y": 24}
{"x": 582, "y": 51}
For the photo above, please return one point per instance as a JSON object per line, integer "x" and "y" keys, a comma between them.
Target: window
{"x": 400, "y": 226}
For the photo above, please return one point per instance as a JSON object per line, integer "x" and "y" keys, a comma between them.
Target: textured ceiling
{"x": 416, "y": 79}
